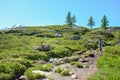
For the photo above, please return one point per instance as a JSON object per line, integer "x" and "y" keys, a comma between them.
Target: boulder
{"x": 83, "y": 60}
{"x": 23, "y": 77}
{"x": 75, "y": 37}
{"x": 52, "y": 60}
{"x": 43, "y": 48}
{"x": 58, "y": 35}
{"x": 71, "y": 73}
{"x": 74, "y": 76}
{"x": 41, "y": 72}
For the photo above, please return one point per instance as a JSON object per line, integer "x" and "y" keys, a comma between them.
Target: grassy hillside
{"x": 18, "y": 53}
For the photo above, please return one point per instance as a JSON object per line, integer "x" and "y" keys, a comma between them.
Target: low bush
{"x": 23, "y": 61}
{"x": 36, "y": 56}
{"x": 79, "y": 65}
{"x": 12, "y": 69}
{"x": 5, "y": 76}
{"x": 59, "y": 70}
{"x": 65, "y": 73}
{"x": 46, "y": 67}
{"x": 38, "y": 76}
{"x": 72, "y": 63}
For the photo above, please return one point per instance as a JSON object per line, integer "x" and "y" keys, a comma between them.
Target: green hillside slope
{"x": 19, "y": 48}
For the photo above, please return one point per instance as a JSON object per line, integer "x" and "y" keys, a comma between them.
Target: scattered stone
{"x": 40, "y": 62}
{"x": 43, "y": 79}
{"x": 78, "y": 53}
{"x": 84, "y": 60}
{"x": 86, "y": 66}
{"x": 52, "y": 60}
{"x": 41, "y": 72}
{"x": 23, "y": 77}
{"x": 71, "y": 73}
{"x": 89, "y": 40}
{"x": 75, "y": 37}
{"x": 43, "y": 47}
{"x": 58, "y": 61}
{"x": 66, "y": 60}
{"x": 58, "y": 35}
{"x": 74, "y": 76}
{"x": 74, "y": 58}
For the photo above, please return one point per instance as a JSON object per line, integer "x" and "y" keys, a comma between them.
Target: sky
{"x": 54, "y": 12}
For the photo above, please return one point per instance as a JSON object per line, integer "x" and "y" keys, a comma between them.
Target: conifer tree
{"x": 70, "y": 20}
{"x": 104, "y": 22}
{"x": 73, "y": 20}
{"x": 91, "y": 22}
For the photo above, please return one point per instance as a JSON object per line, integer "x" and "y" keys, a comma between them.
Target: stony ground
{"x": 77, "y": 73}
{"x": 89, "y": 68}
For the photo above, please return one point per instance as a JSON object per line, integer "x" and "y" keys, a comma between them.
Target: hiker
{"x": 118, "y": 42}
{"x": 100, "y": 45}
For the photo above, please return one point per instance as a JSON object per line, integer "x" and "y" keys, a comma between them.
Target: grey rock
{"x": 23, "y": 77}
{"x": 74, "y": 76}
{"x": 41, "y": 72}
{"x": 75, "y": 37}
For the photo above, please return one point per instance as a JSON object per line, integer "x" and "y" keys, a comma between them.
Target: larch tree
{"x": 73, "y": 19}
{"x": 104, "y": 22}
{"x": 91, "y": 22}
{"x": 70, "y": 20}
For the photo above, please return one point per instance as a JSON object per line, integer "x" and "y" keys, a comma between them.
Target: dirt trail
{"x": 81, "y": 73}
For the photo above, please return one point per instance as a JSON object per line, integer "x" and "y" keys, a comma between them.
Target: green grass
{"x": 77, "y": 64}
{"x": 59, "y": 70}
{"x": 62, "y": 72}
{"x": 46, "y": 67}
{"x": 16, "y": 47}
{"x": 108, "y": 64}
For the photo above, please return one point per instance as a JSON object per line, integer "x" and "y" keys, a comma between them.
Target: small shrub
{"x": 15, "y": 55}
{"x": 13, "y": 68}
{"x": 87, "y": 66}
{"x": 29, "y": 74}
{"x": 36, "y": 56}
{"x": 59, "y": 70}
{"x": 51, "y": 78}
{"x": 79, "y": 65}
{"x": 62, "y": 72}
{"x": 23, "y": 61}
{"x": 38, "y": 76}
{"x": 47, "y": 67}
{"x": 65, "y": 73}
{"x": 72, "y": 63}
{"x": 2, "y": 68}
{"x": 4, "y": 76}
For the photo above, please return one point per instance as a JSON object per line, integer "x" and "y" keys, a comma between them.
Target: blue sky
{"x": 53, "y": 12}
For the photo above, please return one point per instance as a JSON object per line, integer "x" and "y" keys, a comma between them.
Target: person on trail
{"x": 100, "y": 45}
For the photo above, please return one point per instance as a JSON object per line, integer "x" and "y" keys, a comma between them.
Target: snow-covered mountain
{"x": 16, "y": 25}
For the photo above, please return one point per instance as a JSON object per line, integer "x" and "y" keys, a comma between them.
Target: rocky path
{"x": 88, "y": 67}
{"x": 77, "y": 73}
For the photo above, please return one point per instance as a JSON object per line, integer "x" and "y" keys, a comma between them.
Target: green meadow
{"x": 18, "y": 53}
